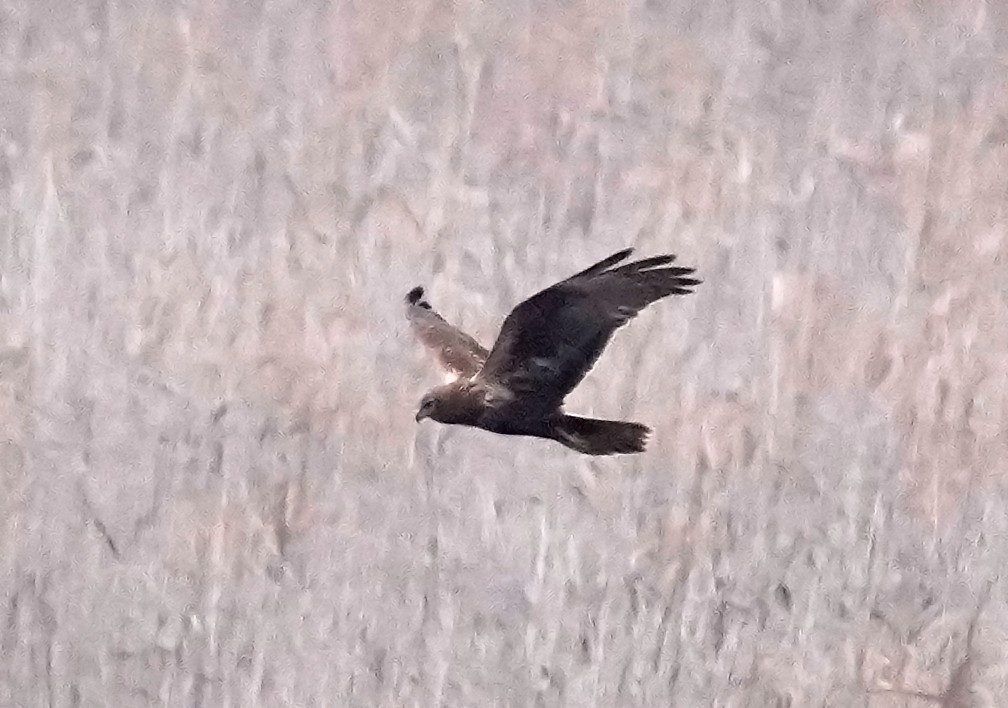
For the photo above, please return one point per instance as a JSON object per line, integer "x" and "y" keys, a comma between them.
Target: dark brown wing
{"x": 456, "y": 351}
{"x": 550, "y": 341}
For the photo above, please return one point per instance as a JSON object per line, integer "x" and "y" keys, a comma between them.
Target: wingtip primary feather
{"x": 653, "y": 263}
{"x": 605, "y": 263}
{"x": 415, "y": 297}
{"x": 616, "y": 258}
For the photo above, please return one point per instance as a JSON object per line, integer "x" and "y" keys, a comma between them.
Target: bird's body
{"x": 545, "y": 347}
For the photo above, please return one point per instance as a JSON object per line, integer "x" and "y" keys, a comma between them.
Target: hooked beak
{"x": 421, "y": 415}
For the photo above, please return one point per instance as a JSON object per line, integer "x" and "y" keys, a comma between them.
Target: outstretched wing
{"x": 456, "y": 351}
{"x": 550, "y": 341}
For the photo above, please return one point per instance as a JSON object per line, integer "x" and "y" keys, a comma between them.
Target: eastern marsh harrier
{"x": 545, "y": 347}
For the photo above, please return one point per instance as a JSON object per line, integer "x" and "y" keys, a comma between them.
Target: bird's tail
{"x": 600, "y": 437}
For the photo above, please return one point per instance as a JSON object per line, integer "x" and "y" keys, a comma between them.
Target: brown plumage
{"x": 545, "y": 347}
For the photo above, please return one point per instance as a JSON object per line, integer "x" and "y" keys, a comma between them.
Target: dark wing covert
{"x": 551, "y": 340}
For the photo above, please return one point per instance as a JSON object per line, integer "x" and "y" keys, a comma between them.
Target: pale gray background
{"x": 213, "y": 490}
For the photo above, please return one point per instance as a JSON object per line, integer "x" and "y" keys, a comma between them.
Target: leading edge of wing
{"x": 604, "y": 263}
{"x": 650, "y": 268}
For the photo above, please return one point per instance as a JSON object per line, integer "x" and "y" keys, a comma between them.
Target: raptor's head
{"x": 451, "y": 403}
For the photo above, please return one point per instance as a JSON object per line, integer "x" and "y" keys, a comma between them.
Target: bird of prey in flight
{"x": 545, "y": 347}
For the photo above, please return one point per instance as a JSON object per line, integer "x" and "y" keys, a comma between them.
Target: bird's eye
{"x": 428, "y": 404}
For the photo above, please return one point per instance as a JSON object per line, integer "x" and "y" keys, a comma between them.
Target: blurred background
{"x": 213, "y": 489}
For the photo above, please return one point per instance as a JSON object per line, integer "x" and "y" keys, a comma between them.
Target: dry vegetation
{"x": 213, "y": 491}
